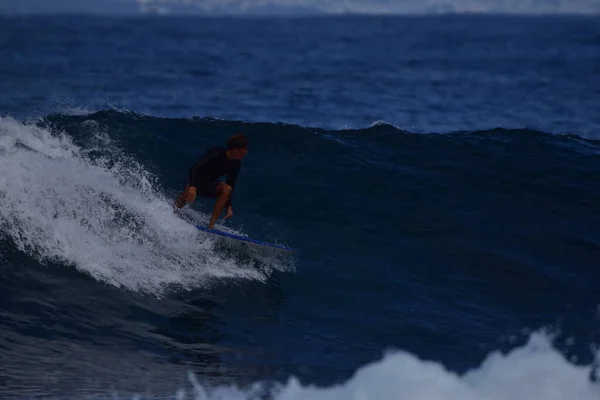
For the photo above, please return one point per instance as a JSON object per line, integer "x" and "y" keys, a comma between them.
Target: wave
{"x": 536, "y": 370}
{"x": 95, "y": 190}
{"x": 71, "y": 115}
{"x": 92, "y": 207}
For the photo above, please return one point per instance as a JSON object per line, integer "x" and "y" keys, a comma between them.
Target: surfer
{"x": 203, "y": 176}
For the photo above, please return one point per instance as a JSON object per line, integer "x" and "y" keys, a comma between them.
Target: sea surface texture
{"x": 439, "y": 178}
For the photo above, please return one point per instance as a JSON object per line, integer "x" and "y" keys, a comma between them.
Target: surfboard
{"x": 246, "y": 239}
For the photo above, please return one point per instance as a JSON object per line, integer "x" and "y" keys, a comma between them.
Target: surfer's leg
{"x": 180, "y": 202}
{"x": 223, "y": 191}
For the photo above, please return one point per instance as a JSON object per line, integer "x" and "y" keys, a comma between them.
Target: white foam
{"x": 101, "y": 214}
{"x": 535, "y": 371}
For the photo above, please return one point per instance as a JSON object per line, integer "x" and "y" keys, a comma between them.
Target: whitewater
{"x": 535, "y": 370}
{"x": 103, "y": 215}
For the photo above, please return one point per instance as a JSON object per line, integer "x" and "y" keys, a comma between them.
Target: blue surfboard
{"x": 246, "y": 239}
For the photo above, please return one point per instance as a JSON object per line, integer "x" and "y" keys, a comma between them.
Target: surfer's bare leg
{"x": 223, "y": 192}
{"x": 182, "y": 199}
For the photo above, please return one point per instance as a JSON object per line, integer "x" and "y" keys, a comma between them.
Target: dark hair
{"x": 237, "y": 141}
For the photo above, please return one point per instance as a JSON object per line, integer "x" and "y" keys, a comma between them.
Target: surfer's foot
{"x": 212, "y": 222}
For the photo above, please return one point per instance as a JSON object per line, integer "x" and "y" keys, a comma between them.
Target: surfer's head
{"x": 237, "y": 146}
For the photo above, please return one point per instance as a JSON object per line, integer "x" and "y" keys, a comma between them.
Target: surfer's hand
{"x": 229, "y": 212}
{"x": 190, "y": 195}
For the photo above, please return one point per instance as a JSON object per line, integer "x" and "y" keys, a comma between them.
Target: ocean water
{"x": 439, "y": 177}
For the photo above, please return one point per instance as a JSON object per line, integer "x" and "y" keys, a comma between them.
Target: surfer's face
{"x": 239, "y": 153}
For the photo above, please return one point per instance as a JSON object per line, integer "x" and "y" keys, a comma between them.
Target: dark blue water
{"x": 439, "y": 177}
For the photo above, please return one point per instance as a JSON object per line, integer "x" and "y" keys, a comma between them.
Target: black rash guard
{"x": 212, "y": 165}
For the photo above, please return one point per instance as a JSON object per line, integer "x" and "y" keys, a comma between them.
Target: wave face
{"x": 93, "y": 207}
